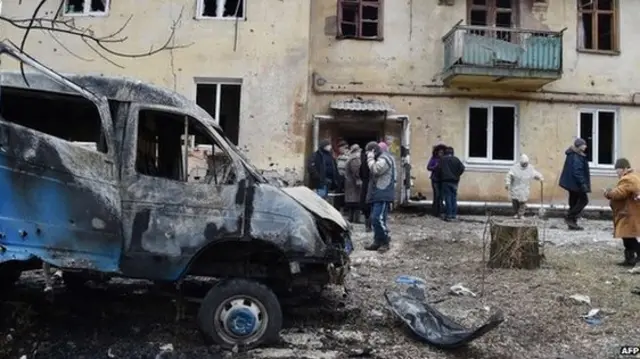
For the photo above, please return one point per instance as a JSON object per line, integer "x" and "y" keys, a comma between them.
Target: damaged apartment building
{"x": 492, "y": 78}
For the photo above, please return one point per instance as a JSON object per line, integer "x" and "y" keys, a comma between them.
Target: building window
{"x": 600, "y": 129}
{"x": 493, "y": 13}
{"x": 221, "y": 9}
{"x": 598, "y": 25}
{"x": 492, "y": 133}
{"x": 86, "y": 7}
{"x": 222, "y": 101}
{"x": 360, "y": 19}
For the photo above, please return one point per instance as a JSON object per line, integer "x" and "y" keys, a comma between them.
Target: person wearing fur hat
{"x": 518, "y": 183}
{"x": 323, "y": 171}
{"x": 381, "y": 194}
{"x": 576, "y": 179}
{"x": 626, "y": 210}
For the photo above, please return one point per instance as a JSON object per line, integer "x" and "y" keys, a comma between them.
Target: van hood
{"x": 318, "y": 206}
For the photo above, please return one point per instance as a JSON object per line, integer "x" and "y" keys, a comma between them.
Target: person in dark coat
{"x": 364, "y": 176}
{"x": 437, "y": 205}
{"x": 323, "y": 171}
{"x": 449, "y": 171}
{"x": 576, "y": 179}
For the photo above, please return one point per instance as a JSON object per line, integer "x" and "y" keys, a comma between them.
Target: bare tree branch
{"x": 99, "y": 44}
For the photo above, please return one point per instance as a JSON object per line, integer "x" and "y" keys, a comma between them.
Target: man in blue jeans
{"x": 323, "y": 171}
{"x": 381, "y": 193}
{"x": 451, "y": 168}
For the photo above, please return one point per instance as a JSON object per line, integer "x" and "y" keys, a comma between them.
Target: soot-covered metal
{"x": 77, "y": 207}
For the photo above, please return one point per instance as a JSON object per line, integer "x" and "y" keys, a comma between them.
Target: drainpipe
{"x": 405, "y": 146}
{"x": 505, "y": 205}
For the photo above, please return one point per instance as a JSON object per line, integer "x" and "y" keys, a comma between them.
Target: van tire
{"x": 9, "y": 274}
{"x": 78, "y": 280}
{"x": 250, "y": 302}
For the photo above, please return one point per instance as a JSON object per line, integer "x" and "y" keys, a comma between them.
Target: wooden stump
{"x": 514, "y": 244}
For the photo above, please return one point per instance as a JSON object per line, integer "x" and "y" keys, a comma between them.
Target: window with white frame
{"x": 221, "y": 99}
{"x": 221, "y": 9}
{"x": 491, "y": 133}
{"x": 86, "y": 7}
{"x": 600, "y": 129}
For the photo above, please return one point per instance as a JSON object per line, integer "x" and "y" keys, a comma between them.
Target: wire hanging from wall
{"x": 235, "y": 31}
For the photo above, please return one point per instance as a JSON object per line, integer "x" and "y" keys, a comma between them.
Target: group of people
{"x": 446, "y": 170}
{"x": 366, "y": 178}
{"x": 624, "y": 198}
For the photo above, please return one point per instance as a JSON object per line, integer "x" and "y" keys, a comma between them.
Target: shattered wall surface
{"x": 269, "y": 53}
{"x": 404, "y": 70}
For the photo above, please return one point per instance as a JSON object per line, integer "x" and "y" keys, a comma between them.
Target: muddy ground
{"x": 130, "y": 320}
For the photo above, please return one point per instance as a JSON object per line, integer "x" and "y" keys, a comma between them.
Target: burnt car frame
{"x": 116, "y": 199}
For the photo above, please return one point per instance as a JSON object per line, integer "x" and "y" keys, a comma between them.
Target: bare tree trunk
{"x": 514, "y": 244}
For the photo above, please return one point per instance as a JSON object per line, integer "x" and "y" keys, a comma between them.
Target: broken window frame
{"x": 87, "y": 9}
{"x": 490, "y": 126}
{"x": 615, "y": 24}
{"x": 492, "y": 9}
{"x": 211, "y": 132}
{"x": 595, "y": 139}
{"x": 360, "y": 4}
{"x": 218, "y": 83}
{"x": 200, "y": 9}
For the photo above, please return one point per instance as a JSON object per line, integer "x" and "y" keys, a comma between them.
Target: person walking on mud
{"x": 626, "y": 210}
{"x": 353, "y": 183}
{"x": 364, "y": 189}
{"x": 518, "y": 183}
{"x": 576, "y": 179}
{"x": 381, "y": 194}
{"x": 437, "y": 205}
{"x": 323, "y": 171}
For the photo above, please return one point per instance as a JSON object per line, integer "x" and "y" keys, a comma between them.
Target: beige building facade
{"x": 508, "y": 107}
{"x": 279, "y": 75}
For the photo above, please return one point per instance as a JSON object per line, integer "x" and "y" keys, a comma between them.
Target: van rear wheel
{"x": 240, "y": 312}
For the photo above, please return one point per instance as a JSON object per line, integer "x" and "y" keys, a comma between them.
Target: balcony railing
{"x": 505, "y": 48}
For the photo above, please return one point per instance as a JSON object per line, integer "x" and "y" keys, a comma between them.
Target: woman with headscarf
{"x": 352, "y": 183}
{"x": 518, "y": 183}
{"x": 623, "y": 199}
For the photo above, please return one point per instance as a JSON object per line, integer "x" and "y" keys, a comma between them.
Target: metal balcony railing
{"x": 495, "y": 47}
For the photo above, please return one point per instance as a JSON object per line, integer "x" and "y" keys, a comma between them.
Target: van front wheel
{"x": 240, "y": 312}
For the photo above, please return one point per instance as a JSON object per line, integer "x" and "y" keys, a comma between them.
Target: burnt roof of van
{"x": 113, "y": 88}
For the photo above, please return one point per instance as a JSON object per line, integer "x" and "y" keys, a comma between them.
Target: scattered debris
{"x": 592, "y": 313}
{"x": 460, "y": 289}
{"x": 634, "y": 270}
{"x": 581, "y": 299}
{"x": 432, "y": 326}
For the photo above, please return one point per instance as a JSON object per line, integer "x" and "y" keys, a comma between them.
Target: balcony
{"x": 481, "y": 56}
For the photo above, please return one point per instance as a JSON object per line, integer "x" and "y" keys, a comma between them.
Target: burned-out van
{"x": 95, "y": 180}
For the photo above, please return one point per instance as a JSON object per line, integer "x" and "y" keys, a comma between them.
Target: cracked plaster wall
{"x": 271, "y": 58}
{"x": 412, "y": 54}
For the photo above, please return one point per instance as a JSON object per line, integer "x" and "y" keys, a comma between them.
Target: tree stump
{"x": 514, "y": 244}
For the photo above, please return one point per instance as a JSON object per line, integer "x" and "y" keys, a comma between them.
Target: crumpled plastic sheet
{"x": 429, "y": 324}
